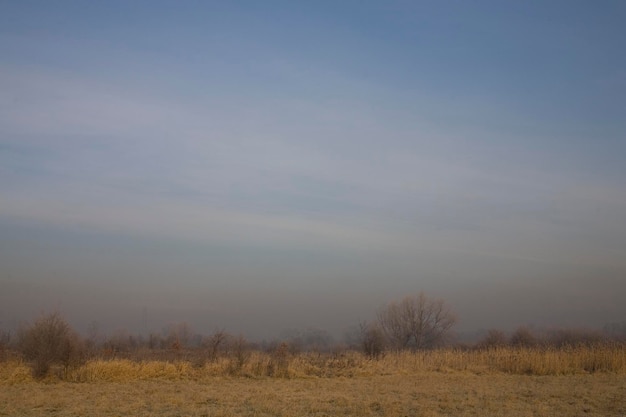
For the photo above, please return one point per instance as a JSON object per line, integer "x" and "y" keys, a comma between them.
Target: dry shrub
{"x": 240, "y": 354}
{"x": 372, "y": 340}
{"x": 564, "y": 338}
{"x": 50, "y": 341}
{"x": 493, "y": 339}
{"x": 280, "y": 363}
{"x": 215, "y": 343}
{"x": 5, "y": 339}
{"x": 523, "y": 337}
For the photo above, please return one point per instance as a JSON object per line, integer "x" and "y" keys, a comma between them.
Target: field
{"x": 497, "y": 382}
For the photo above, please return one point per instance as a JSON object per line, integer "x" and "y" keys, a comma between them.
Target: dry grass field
{"x": 497, "y": 382}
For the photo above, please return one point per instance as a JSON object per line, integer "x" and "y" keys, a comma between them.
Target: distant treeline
{"x": 416, "y": 323}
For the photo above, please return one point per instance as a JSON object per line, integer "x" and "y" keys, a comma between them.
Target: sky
{"x": 263, "y": 166}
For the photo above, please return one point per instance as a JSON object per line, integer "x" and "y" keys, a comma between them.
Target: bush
{"x": 278, "y": 365}
{"x": 575, "y": 337}
{"x": 523, "y": 337}
{"x": 5, "y": 338}
{"x": 240, "y": 354}
{"x": 372, "y": 340}
{"x": 493, "y": 339}
{"x": 50, "y": 341}
{"x": 215, "y": 343}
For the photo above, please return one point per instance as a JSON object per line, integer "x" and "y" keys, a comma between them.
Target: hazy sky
{"x": 269, "y": 165}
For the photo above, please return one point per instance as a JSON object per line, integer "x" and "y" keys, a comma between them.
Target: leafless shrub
{"x": 5, "y": 339}
{"x": 575, "y": 337}
{"x": 240, "y": 354}
{"x": 493, "y": 339}
{"x": 417, "y": 322}
{"x": 523, "y": 337}
{"x": 372, "y": 340}
{"x": 214, "y": 343}
{"x": 278, "y": 365}
{"x": 49, "y": 341}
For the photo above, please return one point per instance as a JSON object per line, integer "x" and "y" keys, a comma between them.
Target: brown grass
{"x": 499, "y": 382}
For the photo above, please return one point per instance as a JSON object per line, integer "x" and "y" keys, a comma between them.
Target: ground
{"x": 425, "y": 394}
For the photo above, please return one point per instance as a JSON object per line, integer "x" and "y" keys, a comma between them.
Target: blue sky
{"x": 333, "y": 155}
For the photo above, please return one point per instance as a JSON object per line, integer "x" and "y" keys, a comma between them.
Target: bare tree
{"x": 417, "y": 322}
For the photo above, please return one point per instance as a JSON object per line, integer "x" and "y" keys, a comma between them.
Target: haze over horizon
{"x": 262, "y": 166}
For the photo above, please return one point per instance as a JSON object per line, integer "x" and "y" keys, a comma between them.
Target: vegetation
{"x": 416, "y": 322}
{"x": 416, "y": 327}
{"x": 442, "y": 382}
{"x": 178, "y": 372}
{"x": 435, "y": 394}
{"x": 50, "y": 341}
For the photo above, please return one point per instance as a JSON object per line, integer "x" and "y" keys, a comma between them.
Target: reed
{"x": 281, "y": 364}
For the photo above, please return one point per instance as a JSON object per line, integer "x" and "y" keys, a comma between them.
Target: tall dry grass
{"x": 282, "y": 364}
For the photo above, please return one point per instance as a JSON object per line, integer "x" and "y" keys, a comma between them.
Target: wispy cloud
{"x": 344, "y": 150}
{"x": 275, "y": 171}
